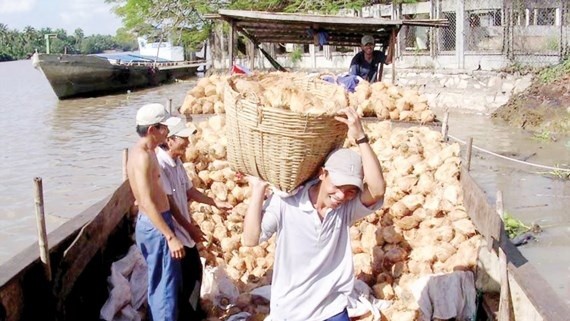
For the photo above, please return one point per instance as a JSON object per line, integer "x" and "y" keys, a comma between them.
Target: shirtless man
{"x": 155, "y": 235}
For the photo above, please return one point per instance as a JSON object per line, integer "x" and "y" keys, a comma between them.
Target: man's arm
{"x": 195, "y": 195}
{"x": 354, "y": 68}
{"x": 252, "y": 220}
{"x": 142, "y": 171}
{"x": 195, "y": 233}
{"x": 374, "y": 186}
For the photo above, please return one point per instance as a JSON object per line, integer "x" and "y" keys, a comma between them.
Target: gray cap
{"x": 367, "y": 39}
{"x": 345, "y": 167}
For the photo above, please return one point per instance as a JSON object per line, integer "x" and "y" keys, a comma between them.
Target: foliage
{"x": 551, "y": 74}
{"x": 296, "y": 55}
{"x": 179, "y": 21}
{"x": 513, "y": 226}
{"x": 16, "y": 44}
{"x": 183, "y": 23}
{"x": 544, "y": 135}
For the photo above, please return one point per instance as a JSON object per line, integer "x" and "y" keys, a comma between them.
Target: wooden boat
{"x": 83, "y": 249}
{"x": 95, "y": 75}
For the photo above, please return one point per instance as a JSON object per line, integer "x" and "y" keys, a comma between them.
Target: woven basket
{"x": 280, "y": 146}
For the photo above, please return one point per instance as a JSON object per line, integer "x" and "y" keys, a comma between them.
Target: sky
{"x": 93, "y": 16}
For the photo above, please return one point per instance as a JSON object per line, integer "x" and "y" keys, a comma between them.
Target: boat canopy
{"x": 271, "y": 27}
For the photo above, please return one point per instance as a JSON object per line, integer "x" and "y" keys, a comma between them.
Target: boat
{"x": 99, "y": 74}
{"x": 82, "y": 250}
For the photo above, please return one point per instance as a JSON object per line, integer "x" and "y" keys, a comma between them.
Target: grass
{"x": 551, "y": 74}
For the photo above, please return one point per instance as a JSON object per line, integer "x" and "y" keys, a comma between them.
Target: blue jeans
{"x": 343, "y": 316}
{"x": 164, "y": 272}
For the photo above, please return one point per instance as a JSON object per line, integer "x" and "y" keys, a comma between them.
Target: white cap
{"x": 345, "y": 168}
{"x": 367, "y": 39}
{"x": 151, "y": 114}
{"x": 181, "y": 129}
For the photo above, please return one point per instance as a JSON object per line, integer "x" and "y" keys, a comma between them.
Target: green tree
{"x": 79, "y": 35}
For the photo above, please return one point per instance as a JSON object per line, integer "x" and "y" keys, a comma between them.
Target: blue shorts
{"x": 164, "y": 272}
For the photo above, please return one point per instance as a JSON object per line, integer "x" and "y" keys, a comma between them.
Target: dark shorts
{"x": 191, "y": 282}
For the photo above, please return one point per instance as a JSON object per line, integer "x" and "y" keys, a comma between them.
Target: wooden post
{"x": 393, "y": 54}
{"x": 252, "y": 57}
{"x": 444, "y": 127}
{"x": 169, "y": 105}
{"x": 468, "y": 154}
{"x": 504, "y": 313}
{"x": 41, "y": 224}
{"x": 125, "y": 159}
{"x": 231, "y": 43}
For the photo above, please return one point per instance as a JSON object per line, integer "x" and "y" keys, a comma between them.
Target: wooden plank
{"x": 482, "y": 215}
{"x": 541, "y": 295}
{"x": 20, "y": 263}
{"x": 505, "y": 305}
{"x": 12, "y": 301}
{"x": 244, "y": 15}
{"x": 91, "y": 238}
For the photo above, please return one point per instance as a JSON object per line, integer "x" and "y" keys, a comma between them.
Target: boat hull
{"x": 88, "y": 76}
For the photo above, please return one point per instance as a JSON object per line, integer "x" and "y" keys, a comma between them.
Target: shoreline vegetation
{"x": 545, "y": 107}
{"x": 17, "y": 45}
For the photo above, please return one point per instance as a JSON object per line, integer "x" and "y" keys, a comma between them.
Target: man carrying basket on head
{"x": 313, "y": 272}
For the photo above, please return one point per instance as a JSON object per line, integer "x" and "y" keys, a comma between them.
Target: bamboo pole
{"x": 505, "y": 307}
{"x": 469, "y": 151}
{"x": 125, "y": 159}
{"x": 41, "y": 225}
{"x": 169, "y": 105}
{"x": 444, "y": 126}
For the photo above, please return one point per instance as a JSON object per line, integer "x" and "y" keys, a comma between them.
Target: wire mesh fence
{"x": 524, "y": 31}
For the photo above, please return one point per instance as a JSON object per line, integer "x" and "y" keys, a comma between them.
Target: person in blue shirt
{"x": 365, "y": 63}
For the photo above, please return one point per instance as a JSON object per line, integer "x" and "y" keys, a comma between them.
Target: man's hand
{"x": 196, "y": 233}
{"x": 256, "y": 182}
{"x": 352, "y": 120}
{"x": 176, "y": 247}
{"x": 223, "y": 206}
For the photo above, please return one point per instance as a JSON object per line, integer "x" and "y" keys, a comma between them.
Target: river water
{"x": 76, "y": 147}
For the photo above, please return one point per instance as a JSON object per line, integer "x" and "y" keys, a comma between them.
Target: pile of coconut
{"x": 422, "y": 228}
{"x": 382, "y": 100}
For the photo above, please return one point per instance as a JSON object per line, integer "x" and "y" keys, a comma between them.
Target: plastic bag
{"x": 217, "y": 286}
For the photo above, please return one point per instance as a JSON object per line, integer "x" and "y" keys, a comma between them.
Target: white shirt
{"x": 313, "y": 272}
{"x": 175, "y": 182}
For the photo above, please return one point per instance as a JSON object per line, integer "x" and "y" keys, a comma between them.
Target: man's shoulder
{"x": 359, "y": 56}
{"x": 378, "y": 54}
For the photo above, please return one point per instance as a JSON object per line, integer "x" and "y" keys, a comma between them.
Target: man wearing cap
{"x": 365, "y": 63}
{"x": 179, "y": 190}
{"x": 313, "y": 272}
{"x": 154, "y": 230}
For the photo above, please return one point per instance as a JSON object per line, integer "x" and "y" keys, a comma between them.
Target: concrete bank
{"x": 474, "y": 92}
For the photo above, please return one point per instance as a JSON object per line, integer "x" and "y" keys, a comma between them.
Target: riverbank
{"x": 545, "y": 107}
